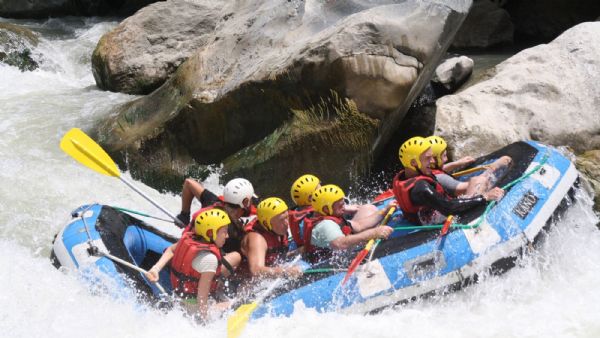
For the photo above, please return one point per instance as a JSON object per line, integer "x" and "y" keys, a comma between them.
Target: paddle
{"x": 87, "y": 152}
{"x": 439, "y": 243}
{"x": 469, "y": 171}
{"x": 131, "y": 266}
{"x": 363, "y": 253}
{"x": 238, "y": 320}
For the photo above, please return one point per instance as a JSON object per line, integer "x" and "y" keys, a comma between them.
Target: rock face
{"x": 16, "y": 46}
{"x": 39, "y": 9}
{"x": 144, "y": 50}
{"x": 288, "y": 87}
{"x": 548, "y": 93}
{"x": 486, "y": 25}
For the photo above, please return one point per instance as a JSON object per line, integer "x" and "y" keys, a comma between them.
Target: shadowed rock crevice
{"x": 332, "y": 136}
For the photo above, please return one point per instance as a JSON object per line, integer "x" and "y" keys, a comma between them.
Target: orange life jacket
{"x": 297, "y": 216}
{"x": 183, "y": 276}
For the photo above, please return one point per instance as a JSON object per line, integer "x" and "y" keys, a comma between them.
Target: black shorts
{"x": 208, "y": 198}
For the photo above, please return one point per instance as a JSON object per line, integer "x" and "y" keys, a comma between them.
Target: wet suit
{"x": 424, "y": 193}
{"x": 423, "y": 199}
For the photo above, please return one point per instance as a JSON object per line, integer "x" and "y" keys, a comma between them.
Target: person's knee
{"x": 506, "y": 160}
{"x": 503, "y": 161}
{"x": 187, "y": 182}
{"x": 233, "y": 258}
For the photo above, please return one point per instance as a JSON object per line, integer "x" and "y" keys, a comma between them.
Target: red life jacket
{"x": 402, "y": 189}
{"x": 437, "y": 172}
{"x": 296, "y": 216}
{"x": 183, "y": 276}
{"x": 277, "y": 246}
{"x": 315, "y": 253}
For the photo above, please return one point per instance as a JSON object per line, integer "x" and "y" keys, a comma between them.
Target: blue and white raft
{"x": 417, "y": 262}
{"x": 106, "y": 245}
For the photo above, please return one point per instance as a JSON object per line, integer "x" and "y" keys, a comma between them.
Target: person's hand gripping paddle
{"x": 364, "y": 252}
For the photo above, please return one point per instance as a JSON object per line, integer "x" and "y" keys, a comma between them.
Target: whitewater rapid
{"x": 552, "y": 293}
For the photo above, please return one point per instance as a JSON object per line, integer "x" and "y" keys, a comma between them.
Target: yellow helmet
{"x": 303, "y": 188}
{"x": 325, "y": 196}
{"x": 269, "y": 208}
{"x": 438, "y": 145}
{"x": 411, "y": 150}
{"x": 208, "y": 222}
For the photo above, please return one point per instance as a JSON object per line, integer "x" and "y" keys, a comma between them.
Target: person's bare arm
{"x": 204, "y": 284}
{"x": 347, "y": 242}
{"x": 153, "y": 273}
{"x": 458, "y": 164}
{"x": 191, "y": 189}
{"x": 254, "y": 246}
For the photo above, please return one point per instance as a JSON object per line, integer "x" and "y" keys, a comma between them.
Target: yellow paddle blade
{"x": 87, "y": 152}
{"x": 238, "y": 320}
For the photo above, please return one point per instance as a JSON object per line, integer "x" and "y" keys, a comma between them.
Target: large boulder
{"x": 144, "y": 50}
{"x": 287, "y": 87}
{"x": 548, "y": 93}
{"x": 487, "y": 25}
{"x": 38, "y": 9}
{"x": 16, "y": 46}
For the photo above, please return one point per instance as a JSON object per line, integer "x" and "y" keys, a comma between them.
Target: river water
{"x": 553, "y": 292}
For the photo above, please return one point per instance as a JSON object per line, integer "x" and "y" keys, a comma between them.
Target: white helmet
{"x": 237, "y": 190}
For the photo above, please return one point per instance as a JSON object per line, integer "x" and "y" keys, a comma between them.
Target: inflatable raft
{"x": 416, "y": 261}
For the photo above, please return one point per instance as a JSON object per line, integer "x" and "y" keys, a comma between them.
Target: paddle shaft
{"x": 364, "y": 252}
{"x": 237, "y": 321}
{"x": 469, "y": 171}
{"x": 276, "y": 283}
{"x": 131, "y": 266}
{"x": 175, "y": 219}
{"x": 115, "y": 173}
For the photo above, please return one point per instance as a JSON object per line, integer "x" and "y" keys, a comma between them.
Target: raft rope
{"x": 141, "y": 214}
{"x": 324, "y": 270}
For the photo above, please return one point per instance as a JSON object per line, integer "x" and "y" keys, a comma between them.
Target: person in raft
{"x": 266, "y": 243}
{"x": 476, "y": 185}
{"x": 196, "y": 262}
{"x": 421, "y": 197}
{"x": 328, "y": 231}
{"x": 237, "y": 202}
{"x": 237, "y": 186}
{"x": 301, "y": 192}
